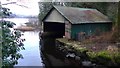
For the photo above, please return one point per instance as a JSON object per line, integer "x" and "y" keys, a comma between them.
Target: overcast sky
{"x": 32, "y": 5}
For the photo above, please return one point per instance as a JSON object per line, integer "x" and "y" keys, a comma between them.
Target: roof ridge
{"x": 74, "y": 7}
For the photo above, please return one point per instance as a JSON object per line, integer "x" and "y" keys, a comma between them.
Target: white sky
{"x": 32, "y": 5}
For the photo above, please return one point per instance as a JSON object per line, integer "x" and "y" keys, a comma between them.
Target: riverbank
{"x": 81, "y": 54}
{"x": 25, "y": 28}
{"x": 95, "y": 54}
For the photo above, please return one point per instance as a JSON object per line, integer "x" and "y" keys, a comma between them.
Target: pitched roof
{"x": 81, "y": 15}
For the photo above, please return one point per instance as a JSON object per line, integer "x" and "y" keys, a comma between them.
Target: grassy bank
{"x": 106, "y": 54}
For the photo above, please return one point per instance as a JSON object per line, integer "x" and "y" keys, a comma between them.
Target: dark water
{"x": 54, "y": 58}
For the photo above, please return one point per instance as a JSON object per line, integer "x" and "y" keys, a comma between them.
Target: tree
{"x": 11, "y": 41}
{"x": 44, "y": 8}
{"x": 118, "y": 22}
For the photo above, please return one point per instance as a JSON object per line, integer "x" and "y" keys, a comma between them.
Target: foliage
{"x": 118, "y": 20}
{"x": 0, "y": 46}
{"x": 104, "y": 37}
{"x": 117, "y": 30}
{"x": 4, "y": 12}
{"x": 11, "y": 41}
{"x": 11, "y": 44}
{"x": 44, "y": 8}
{"x": 105, "y": 57}
{"x": 0, "y": 39}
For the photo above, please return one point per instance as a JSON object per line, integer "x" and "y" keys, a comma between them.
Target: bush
{"x": 105, "y": 57}
{"x": 11, "y": 42}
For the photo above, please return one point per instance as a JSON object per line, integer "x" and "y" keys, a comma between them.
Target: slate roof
{"x": 82, "y": 15}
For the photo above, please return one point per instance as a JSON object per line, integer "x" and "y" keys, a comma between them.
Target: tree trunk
{"x": 118, "y": 22}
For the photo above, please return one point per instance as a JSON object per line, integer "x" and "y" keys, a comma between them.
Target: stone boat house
{"x": 71, "y": 21}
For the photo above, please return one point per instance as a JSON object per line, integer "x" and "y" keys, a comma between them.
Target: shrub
{"x": 11, "y": 42}
{"x": 105, "y": 57}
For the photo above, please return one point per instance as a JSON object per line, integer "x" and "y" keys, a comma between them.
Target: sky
{"x": 32, "y": 6}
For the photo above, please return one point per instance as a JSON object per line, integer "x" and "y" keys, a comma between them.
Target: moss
{"x": 116, "y": 58}
{"x": 81, "y": 49}
{"x": 105, "y": 57}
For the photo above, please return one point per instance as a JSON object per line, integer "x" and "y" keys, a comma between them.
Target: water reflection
{"x": 53, "y": 57}
{"x": 50, "y": 56}
{"x": 31, "y": 53}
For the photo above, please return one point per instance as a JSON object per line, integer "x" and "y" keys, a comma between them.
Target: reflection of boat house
{"x": 70, "y": 21}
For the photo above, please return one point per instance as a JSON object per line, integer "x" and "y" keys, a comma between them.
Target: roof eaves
{"x": 103, "y": 21}
{"x": 92, "y": 22}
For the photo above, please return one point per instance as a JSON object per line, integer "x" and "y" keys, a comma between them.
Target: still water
{"x": 34, "y": 54}
{"x": 31, "y": 53}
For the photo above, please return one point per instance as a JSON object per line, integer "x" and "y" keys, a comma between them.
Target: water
{"x": 31, "y": 54}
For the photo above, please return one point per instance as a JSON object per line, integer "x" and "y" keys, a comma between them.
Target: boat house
{"x": 71, "y": 21}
